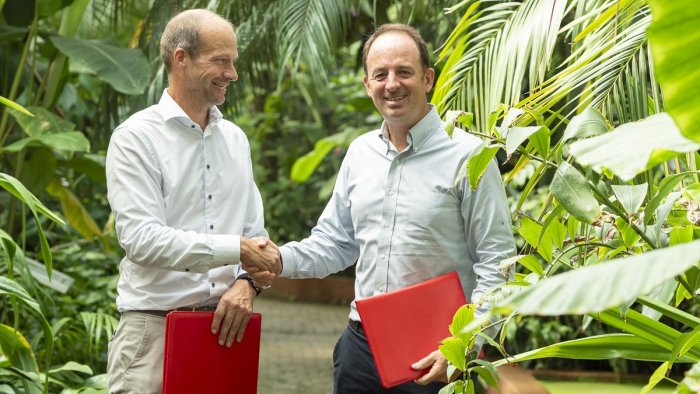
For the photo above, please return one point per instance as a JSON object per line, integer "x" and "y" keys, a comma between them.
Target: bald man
{"x": 180, "y": 184}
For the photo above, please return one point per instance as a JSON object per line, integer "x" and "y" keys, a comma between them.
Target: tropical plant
{"x": 80, "y": 67}
{"x": 620, "y": 218}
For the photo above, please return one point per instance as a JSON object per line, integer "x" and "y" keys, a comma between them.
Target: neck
{"x": 194, "y": 111}
{"x": 398, "y": 132}
{"x": 399, "y": 137}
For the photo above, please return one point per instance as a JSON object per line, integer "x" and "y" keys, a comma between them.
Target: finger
{"x": 423, "y": 363}
{"x": 241, "y": 328}
{"x": 218, "y": 316}
{"x": 261, "y": 242}
{"x": 237, "y": 318}
{"x": 432, "y": 375}
{"x": 225, "y": 328}
{"x": 251, "y": 269}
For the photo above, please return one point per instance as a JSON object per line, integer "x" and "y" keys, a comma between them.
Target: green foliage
{"x": 673, "y": 35}
{"x": 594, "y": 208}
{"x": 617, "y": 198}
{"x": 125, "y": 69}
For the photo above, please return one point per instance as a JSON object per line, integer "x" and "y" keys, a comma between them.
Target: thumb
{"x": 423, "y": 363}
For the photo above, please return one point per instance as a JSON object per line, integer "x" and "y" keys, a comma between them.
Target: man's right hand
{"x": 259, "y": 255}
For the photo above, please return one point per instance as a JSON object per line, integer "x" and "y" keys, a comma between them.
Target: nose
{"x": 231, "y": 73}
{"x": 392, "y": 82}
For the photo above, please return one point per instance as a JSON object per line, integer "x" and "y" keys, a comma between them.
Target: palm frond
{"x": 607, "y": 69}
{"x": 495, "y": 52}
{"x": 98, "y": 323}
{"x": 307, "y": 34}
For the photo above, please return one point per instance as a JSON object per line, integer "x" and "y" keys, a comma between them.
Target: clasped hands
{"x": 260, "y": 257}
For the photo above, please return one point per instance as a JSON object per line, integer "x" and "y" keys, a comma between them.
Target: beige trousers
{"x": 135, "y": 355}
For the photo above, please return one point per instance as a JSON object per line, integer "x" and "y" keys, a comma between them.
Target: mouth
{"x": 221, "y": 86}
{"x": 396, "y": 98}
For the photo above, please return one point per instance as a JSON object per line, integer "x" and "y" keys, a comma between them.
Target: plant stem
{"x": 621, "y": 214}
{"x": 4, "y": 130}
{"x": 688, "y": 288}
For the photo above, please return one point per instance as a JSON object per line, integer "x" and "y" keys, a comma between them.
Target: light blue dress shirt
{"x": 181, "y": 198}
{"x": 400, "y": 218}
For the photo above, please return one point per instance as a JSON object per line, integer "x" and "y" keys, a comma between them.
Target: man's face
{"x": 396, "y": 81}
{"x": 212, "y": 71}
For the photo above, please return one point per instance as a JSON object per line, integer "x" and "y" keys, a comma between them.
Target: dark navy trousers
{"x": 355, "y": 373}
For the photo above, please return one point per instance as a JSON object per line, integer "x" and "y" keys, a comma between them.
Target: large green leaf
{"x": 16, "y": 348}
{"x": 12, "y": 288}
{"x": 596, "y": 288}
{"x": 531, "y": 231}
{"x": 571, "y": 189}
{"x": 125, "y": 69}
{"x": 9, "y": 287}
{"x": 674, "y": 35}
{"x": 15, "y": 187}
{"x": 633, "y": 322}
{"x": 304, "y": 166}
{"x": 630, "y": 196}
{"x": 478, "y": 163}
{"x": 599, "y": 347}
{"x": 47, "y": 129}
{"x": 76, "y": 214}
{"x": 636, "y": 146}
{"x": 517, "y": 135}
{"x": 586, "y": 124}
{"x": 72, "y": 141}
{"x": 42, "y": 122}
{"x": 454, "y": 350}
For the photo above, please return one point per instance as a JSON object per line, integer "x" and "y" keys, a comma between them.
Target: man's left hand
{"x": 233, "y": 312}
{"x": 438, "y": 371}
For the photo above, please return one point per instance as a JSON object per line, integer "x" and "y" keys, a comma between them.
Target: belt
{"x": 357, "y": 326}
{"x": 161, "y": 313}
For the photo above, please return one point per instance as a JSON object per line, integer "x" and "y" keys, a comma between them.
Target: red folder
{"x": 195, "y": 363}
{"x": 405, "y": 325}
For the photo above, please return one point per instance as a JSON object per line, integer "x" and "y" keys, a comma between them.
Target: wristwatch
{"x": 250, "y": 280}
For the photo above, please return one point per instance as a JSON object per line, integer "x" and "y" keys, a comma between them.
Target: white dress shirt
{"x": 181, "y": 197}
{"x": 398, "y": 215}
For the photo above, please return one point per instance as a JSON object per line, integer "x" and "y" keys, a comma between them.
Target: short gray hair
{"x": 182, "y": 31}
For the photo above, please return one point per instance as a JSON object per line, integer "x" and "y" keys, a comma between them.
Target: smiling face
{"x": 209, "y": 74}
{"x": 396, "y": 81}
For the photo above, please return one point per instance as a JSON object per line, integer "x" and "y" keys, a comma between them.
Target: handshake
{"x": 260, "y": 257}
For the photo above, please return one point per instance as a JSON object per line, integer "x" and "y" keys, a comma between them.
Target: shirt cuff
{"x": 288, "y": 266}
{"x": 226, "y": 249}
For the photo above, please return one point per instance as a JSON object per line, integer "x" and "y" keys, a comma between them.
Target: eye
{"x": 379, "y": 76}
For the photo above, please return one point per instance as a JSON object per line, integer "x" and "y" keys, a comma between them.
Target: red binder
{"x": 405, "y": 325}
{"x": 195, "y": 363}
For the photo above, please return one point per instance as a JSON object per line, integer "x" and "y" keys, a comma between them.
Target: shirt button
{"x": 210, "y": 196}
{"x": 211, "y": 227}
{"x": 386, "y": 225}
{"x": 208, "y": 166}
{"x": 192, "y": 126}
{"x": 391, "y": 192}
{"x": 398, "y": 162}
{"x": 213, "y": 285}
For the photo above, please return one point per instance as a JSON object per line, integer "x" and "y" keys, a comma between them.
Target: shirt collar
{"x": 419, "y": 133}
{"x": 172, "y": 110}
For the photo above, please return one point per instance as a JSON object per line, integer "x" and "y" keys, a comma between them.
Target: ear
{"x": 429, "y": 79}
{"x": 179, "y": 57}
{"x": 365, "y": 79}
